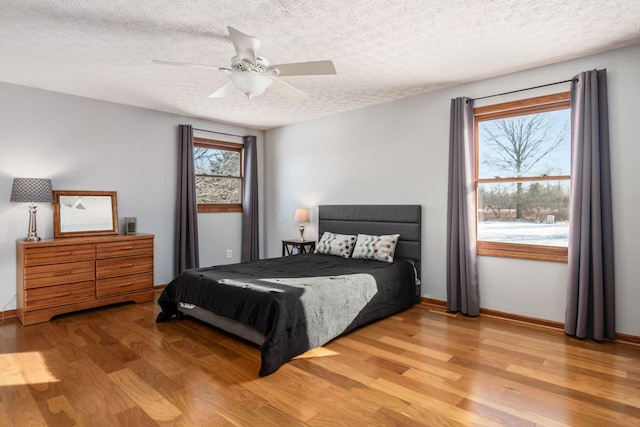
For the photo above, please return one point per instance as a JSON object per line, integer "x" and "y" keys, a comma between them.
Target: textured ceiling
{"x": 382, "y": 50}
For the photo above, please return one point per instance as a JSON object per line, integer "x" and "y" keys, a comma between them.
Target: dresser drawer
{"x": 124, "y": 249}
{"x": 124, "y": 284}
{"x": 59, "y": 254}
{"x": 52, "y": 296}
{"x": 112, "y": 267}
{"x": 56, "y": 274}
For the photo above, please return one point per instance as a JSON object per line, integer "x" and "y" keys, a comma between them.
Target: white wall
{"x": 85, "y": 144}
{"x": 398, "y": 153}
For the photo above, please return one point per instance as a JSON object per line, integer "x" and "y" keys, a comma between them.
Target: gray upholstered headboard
{"x": 377, "y": 219}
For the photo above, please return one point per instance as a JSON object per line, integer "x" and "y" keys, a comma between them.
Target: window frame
{"x": 224, "y": 146}
{"x": 538, "y": 104}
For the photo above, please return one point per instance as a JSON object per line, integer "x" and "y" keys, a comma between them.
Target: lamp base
{"x": 32, "y": 236}
{"x": 302, "y": 232}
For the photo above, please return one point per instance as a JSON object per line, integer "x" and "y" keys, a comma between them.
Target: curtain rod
{"x": 521, "y": 90}
{"x": 219, "y": 133}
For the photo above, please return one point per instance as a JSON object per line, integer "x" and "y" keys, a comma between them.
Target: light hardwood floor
{"x": 115, "y": 366}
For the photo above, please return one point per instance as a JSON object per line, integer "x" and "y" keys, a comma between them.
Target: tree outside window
{"x": 218, "y": 173}
{"x": 523, "y": 178}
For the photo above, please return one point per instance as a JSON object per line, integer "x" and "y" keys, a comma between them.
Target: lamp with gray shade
{"x": 301, "y": 216}
{"x": 32, "y": 190}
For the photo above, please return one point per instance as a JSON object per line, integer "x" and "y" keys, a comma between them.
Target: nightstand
{"x": 304, "y": 246}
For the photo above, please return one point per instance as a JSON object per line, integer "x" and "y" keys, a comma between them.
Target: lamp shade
{"x": 31, "y": 190}
{"x": 302, "y": 215}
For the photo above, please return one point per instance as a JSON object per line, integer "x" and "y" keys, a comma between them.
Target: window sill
{"x": 219, "y": 208}
{"x": 520, "y": 251}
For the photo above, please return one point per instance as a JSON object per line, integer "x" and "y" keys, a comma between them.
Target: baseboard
{"x": 523, "y": 319}
{"x": 7, "y": 314}
{"x": 439, "y": 306}
{"x": 632, "y": 339}
{"x": 433, "y": 302}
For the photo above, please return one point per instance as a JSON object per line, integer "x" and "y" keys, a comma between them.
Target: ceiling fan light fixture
{"x": 252, "y": 74}
{"x": 251, "y": 84}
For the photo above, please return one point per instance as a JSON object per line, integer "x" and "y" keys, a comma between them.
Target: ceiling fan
{"x": 252, "y": 74}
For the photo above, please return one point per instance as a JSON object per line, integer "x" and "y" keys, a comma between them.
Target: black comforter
{"x": 298, "y": 302}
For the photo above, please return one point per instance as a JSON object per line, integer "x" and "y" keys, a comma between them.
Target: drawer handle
{"x": 63, "y": 273}
{"x": 117, "y": 267}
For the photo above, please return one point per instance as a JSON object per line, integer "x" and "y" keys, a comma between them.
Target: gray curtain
{"x": 250, "y": 240}
{"x": 186, "y": 246}
{"x": 590, "y": 294}
{"x": 462, "y": 274}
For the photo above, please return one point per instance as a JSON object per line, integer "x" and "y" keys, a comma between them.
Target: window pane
{"x": 218, "y": 190}
{"x": 211, "y": 161}
{"x": 528, "y": 145}
{"x": 534, "y": 212}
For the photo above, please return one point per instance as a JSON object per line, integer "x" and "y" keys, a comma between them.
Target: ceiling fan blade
{"x": 224, "y": 90}
{"x": 285, "y": 89}
{"x": 306, "y": 68}
{"x": 243, "y": 45}
{"x": 187, "y": 64}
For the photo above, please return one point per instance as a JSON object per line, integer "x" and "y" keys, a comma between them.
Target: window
{"x": 523, "y": 169}
{"x": 218, "y": 171}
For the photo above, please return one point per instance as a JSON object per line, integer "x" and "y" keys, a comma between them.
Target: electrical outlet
{"x": 229, "y": 253}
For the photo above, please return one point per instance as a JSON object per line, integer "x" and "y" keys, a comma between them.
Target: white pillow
{"x": 336, "y": 244}
{"x": 379, "y": 248}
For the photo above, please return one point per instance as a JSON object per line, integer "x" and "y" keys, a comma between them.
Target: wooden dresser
{"x": 75, "y": 273}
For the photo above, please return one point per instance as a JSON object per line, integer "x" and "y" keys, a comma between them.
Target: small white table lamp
{"x": 32, "y": 190}
{"x": 301, "y": 216}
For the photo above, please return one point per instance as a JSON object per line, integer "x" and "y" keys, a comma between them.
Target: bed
{"x": 292, "y": 304}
